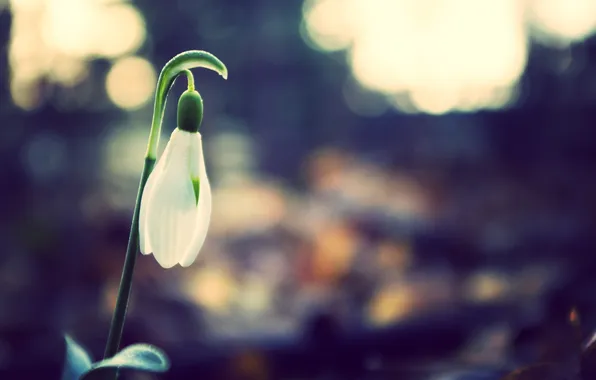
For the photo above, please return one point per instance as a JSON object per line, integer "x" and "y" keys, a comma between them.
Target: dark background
{"x": 342, "y": 245}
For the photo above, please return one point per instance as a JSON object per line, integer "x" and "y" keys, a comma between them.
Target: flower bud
{"x": 190, "y": 111}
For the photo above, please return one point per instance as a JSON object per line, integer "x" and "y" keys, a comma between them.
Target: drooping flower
{"x": 176, "y": 202}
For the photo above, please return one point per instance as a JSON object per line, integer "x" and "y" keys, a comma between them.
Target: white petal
{"x": 144, "y": 240}
{"x": 196, "y": 156}
{"x": 171, "y": 206}
{"x": 203, "y": 215}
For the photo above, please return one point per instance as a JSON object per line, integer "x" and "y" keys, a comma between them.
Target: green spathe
{"x": 176, "y": 66}
{"x": 190, "y": 111}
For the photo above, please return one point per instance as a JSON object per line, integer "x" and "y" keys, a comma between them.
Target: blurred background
{"x": 401, "y": 187}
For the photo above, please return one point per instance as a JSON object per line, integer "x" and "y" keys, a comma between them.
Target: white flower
{"x": 176, "y": 203}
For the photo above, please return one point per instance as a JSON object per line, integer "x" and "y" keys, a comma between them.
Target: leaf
{"x": 141, "y": 357}
{"x": 76, "y": 362}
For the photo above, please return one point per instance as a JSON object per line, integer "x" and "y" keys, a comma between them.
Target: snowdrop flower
{"x": 173, "y": 206}
{"x": 176, "y": 202}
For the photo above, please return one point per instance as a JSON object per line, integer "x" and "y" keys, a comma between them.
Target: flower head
{"x": 176, "y": 202}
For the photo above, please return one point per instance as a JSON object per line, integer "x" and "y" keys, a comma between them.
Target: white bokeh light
{"x": 130, "y": 82}
{"x": 53, "y": 41}
{"x": 437, "y": 56}
{"x": 562, "y": 21}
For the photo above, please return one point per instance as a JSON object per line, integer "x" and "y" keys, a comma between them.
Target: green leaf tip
{"x": 76, "y": 362}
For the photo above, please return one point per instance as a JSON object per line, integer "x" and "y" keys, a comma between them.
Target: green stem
{"x": 190, "y": 80}
{"x": 117, "y": 325}
{"x": 176, "y": 66}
